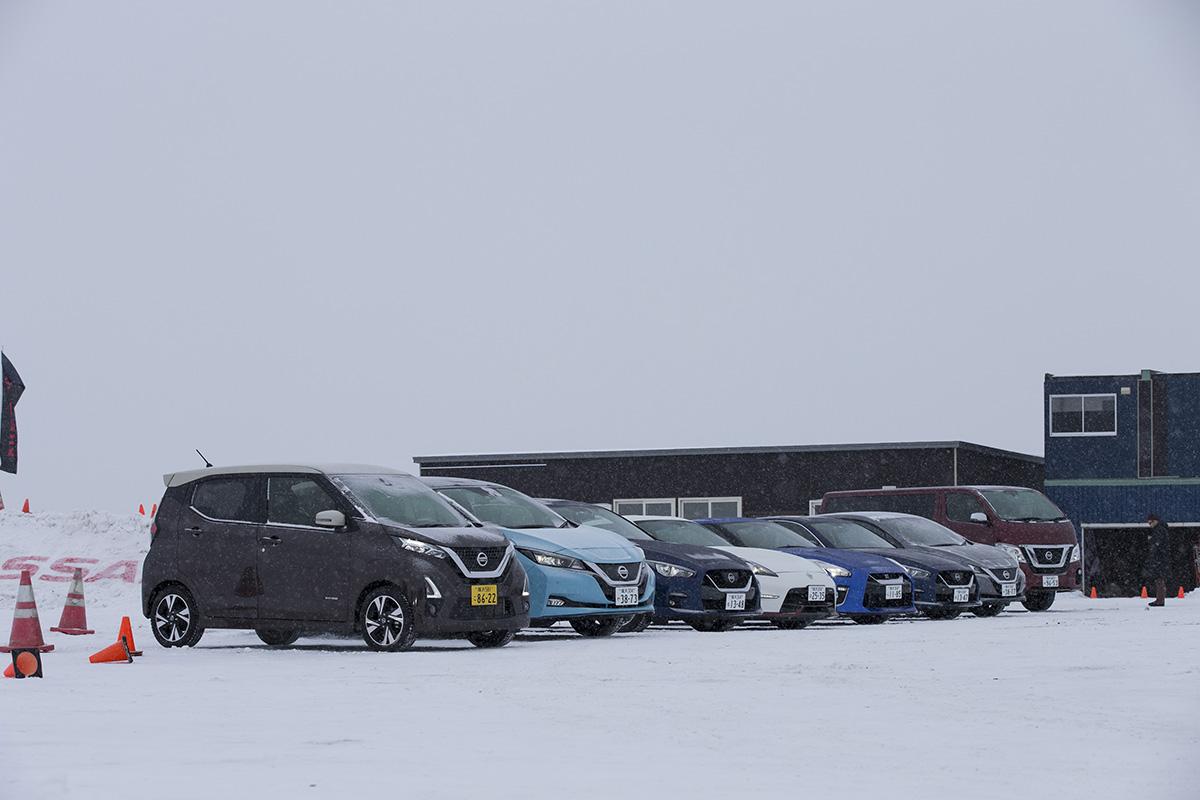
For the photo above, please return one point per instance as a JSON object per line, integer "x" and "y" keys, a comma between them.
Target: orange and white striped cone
{"x": 26, "y": 628}
{"x": 74, "y": 616}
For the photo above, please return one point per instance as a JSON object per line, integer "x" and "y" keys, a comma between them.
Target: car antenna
{"x": 207, "y": 463}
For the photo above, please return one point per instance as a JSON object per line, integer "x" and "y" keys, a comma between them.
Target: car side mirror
{"x": 980, "y": 517}
{"x": 331, "y": 519}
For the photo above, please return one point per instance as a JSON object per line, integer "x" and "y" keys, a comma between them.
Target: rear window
{"x": 232, "y": 499}
{"x": 919, "y": 503}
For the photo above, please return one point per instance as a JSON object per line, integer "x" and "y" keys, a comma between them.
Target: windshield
{"x": 801, "y": 531}
{"x": 918, "y": 530}
{"x": 681, "y": 531}
{"x": 846, "y": 535}
{"x": 502, "y": 506}
{"x": 1022, "y": 505}
{"x": 760, "y": 533}
{"x": 399, "y": 500}
{"x": 583, "y": 514}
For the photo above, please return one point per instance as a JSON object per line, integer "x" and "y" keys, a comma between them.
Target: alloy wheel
{"x": 172, "y": 618}
{"x": 384, "y": 620}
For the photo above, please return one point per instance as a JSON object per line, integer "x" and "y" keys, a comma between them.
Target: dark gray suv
{"x": 292, "y": 549}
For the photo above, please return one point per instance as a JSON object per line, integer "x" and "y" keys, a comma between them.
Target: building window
{"x": 814, "y": 507}
{"x": 1083, "y": 415}
{"x": 705, "y": 507}
{"x": 646, "y": 506}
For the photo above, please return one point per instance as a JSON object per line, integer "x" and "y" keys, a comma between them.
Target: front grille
{"x": 875, "y": 595}
{"x": 842, "y": 591}
{"x": 1047, "y": 559}
{"x": 610, "y": 593}
{"x": 714, "y": 599}
{"x": 613, "y": 571}
{"x": 470, "y": 556}
{"x": 1006, "y": 574}
{"x": 796, "y": 600}
{"x": 876, "y": 577}
{"x": 729, "y": 578}
{"x": 955, "y": 577}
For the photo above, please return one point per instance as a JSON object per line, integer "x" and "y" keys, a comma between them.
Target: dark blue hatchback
{"x": 707, "y": 588}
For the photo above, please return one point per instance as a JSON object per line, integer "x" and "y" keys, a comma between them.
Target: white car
{"x": 793, "y": 590}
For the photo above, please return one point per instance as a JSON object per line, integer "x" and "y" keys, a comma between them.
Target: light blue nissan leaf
{"x": 594, "y": 579}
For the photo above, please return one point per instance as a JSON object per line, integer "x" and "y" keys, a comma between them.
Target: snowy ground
{"x": 1094, "y": 699}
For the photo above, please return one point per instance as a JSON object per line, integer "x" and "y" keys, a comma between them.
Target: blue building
{"x": 1119, "y": 447}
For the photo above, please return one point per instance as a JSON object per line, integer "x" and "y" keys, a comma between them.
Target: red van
{"x": 1023, "y": 522}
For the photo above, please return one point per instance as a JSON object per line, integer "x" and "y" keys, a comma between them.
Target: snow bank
{"x": 108, "y": 547}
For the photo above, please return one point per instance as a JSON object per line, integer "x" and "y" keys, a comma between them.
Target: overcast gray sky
{"x": 366, "y": 231}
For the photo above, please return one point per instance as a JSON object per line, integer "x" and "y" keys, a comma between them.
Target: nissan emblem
{"x": 481, "y": 559}
{"x": 623, "y": 572}
{"x": 731, "y": 577}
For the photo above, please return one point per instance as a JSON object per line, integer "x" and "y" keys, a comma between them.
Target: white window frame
{"x": 643, "y": 501}
{"x": 814, "y": 507}
{"x": 710, "y": 501}
{"x": 1082, "y": 414}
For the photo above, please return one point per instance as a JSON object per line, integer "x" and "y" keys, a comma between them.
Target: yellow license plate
{"x": 484, "y": 595}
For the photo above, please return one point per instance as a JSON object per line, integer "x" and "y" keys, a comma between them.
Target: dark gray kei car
{"x": 292, "y": 549}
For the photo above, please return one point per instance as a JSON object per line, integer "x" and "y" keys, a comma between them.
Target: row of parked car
{"x": 288, "y": 550}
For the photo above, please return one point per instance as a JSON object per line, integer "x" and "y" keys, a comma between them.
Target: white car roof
{"x": 187, "y": 476}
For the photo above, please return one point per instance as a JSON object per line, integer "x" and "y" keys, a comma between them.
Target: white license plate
{"x": 816, "y": 593}
{"x": 735, "y": 601}
{"x": 893, "y": 592}
{"x": 1008, "y": 590}
{"x": 1050, "y": 581}
{"x": 962, "y": 595}
{"x": 627, "y": 595}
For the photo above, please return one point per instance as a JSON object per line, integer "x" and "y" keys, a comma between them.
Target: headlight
{"x": 978, "y": 570}
{"x": 1074, "y": 554}
{"x": 759, "y": 569}
{"x": 917, "y": 572}
{"x": 833, "y": 569}
{"x": 424, "y": 548}
{"x": 551, "y": 559}
{"x": 1013, "y": 551}
{"x": 671, "y": 570}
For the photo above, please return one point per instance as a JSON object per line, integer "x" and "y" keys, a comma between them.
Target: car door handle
{"x": 195, "y": 532}
{"x": 269, "y": 539}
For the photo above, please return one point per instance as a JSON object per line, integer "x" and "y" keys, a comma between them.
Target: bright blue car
{"x": 596, "y": 580}
{"x": 871, "y": 588}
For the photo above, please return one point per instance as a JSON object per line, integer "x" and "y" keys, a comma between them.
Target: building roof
{"x": 484, "y": 459}
{"x": 187, "y": 476}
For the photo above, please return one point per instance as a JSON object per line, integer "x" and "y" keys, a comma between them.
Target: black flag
{"x": 13, "y": 387}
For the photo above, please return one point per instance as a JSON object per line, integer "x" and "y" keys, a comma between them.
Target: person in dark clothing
{"x": 1158, "y": 558}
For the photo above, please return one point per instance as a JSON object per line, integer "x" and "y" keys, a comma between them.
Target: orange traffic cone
{"x": 26, "y": 628}
{"x": 1145, "y": 594}
{"x": 25, "y": 508}
{"x": 142, "y": 509}
{"x": 117, "y": 651}
{"x": 126, "y": 635}
{"x": 10, "y": 672}
{"x": 74, "y": 616}
{"x": 1094, "y": 595}
{"x": 154, "y": 509}
{"x": 1180, "y": 595}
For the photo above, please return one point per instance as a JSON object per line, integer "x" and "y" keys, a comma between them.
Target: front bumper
{"x": 557, "y": 593}
{"x": 697, "y": 598}
{"x": 444, "y": 607}
{"x": 785, "y": 596}
{"x": 863, "y": 593}
{"x": 991, "y": 589}
{"x": 933, "y": 595}
{"x": 1068, "y": 578}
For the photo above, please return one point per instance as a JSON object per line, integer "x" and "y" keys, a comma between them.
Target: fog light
{"x": 431, "y": 590}
{"x": 556, "y": 601}
{"x": 770, "y": 597}
{"x": 431, "y": 609}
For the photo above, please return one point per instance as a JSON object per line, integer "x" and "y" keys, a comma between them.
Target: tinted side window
{"x": 920, "y": 504}
{"x": 227, "y": 498}
{"x": 296, "y": 500}
{"x": 960, "y": 506}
